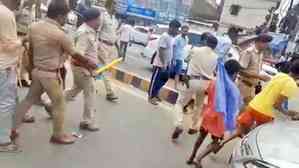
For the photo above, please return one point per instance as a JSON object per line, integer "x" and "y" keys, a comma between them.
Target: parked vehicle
{"x": 273, "y": 145}
{"x": 151, "y": 48}
{"x": 140, "y": 35}
{"x": 195, "y": 41}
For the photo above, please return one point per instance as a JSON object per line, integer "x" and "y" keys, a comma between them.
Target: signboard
{"x": 141, "y": 12}
{"x": 187, "y": 2}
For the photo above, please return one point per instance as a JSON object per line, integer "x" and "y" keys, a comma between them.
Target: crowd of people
{"x": 220, "y": 92}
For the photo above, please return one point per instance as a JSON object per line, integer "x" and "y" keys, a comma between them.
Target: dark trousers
{"x": 158, "y": 80}
{"x": 123, "y": 49}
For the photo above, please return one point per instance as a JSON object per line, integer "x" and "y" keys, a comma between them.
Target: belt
{"x": 247, "y": 83}
{"x": 107, "y": 42}
{"x": 198, "y": 77}
{"x": 49, "y": 70}
{"x": 77, "y": 63}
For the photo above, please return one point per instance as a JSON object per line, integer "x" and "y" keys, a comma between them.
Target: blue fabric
{"x": 279, "y": 43}
{"x": 179, "y": 45}
{"x": 285, "y": 105}
{"x": 159, "y": 79}
{"x": 177, "y": 67}
{"x": 224, "y": 45}
{"x": 228, "y": 97}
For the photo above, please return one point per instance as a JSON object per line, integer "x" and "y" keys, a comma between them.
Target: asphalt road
{"x": 134, "y": 134}
{"x": 137, "y": 64}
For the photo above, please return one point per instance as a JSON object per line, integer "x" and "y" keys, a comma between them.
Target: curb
{"x": 166, "y": 93}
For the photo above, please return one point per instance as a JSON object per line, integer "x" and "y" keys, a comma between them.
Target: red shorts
{"x": 250, "y": 116}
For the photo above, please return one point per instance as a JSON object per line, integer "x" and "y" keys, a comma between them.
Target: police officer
{"x": 107, "y": 38}
{"x": 252, "y": 60}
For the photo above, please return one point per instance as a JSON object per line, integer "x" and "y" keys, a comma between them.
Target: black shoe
{"x": 158, "y": 99}
{"x": 111, "y": 97}
{"x": 192, "y": 131}
{"x": 30, "y": 119}
{"x": 176, "y": 134}
{"x": 23, "y": 83}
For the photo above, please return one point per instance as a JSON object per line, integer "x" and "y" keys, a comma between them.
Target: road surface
{"x": 134, "y": 134}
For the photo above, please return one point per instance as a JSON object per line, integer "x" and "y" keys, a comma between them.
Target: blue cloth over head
{"x": 228, "y": 97}
{"x": 279, "y": 43}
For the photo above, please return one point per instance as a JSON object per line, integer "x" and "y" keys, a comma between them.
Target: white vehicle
{"x": 273, "y": 145}
{"x": 140, "y": 35}
{"x": 151, "y": 48}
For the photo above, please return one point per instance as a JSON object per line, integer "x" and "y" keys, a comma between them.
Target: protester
{"x": 150, "y": 34}
{"x": 86, "y": 42}
{"x": 251, "y": 60}
{"x": 49, "y": 46}
{"x": 180, "y": 43}
{"x": 202, "y": 66}
{"x": 162, "y": 62}
{"x": 107, "y": 45}
{"x": 213, "y": 121}
{"x": 10, "y": 50}
{"x": 272, "y": 98}
{"x": 126, "y": 33}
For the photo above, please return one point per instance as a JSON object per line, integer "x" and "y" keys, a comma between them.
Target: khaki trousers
{"x": 106, "y": 54}
{"x": 53, "y": 88}
{"x": 197, "y": 90}
{"x": 86, "y": 83}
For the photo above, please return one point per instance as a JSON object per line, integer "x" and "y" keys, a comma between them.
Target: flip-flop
{"x": 11, "y": 148}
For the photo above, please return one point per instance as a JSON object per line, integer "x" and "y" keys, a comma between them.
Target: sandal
{"x": 63, "y": 140}
{"x": 29, "y": 119}
{"x": 10, "y": 148}
{"x": 14, "y": 135}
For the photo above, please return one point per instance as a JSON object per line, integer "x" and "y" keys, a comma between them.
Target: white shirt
{"x": 126, "y": 32}
{"x": 203, "y": 62}
{"x": 166, "y": 41}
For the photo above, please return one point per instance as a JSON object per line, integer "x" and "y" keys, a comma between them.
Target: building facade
{"x": 155, "y": 10}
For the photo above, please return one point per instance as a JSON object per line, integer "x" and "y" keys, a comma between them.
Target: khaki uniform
{"x": 107, "y": 49}
{"x": 86, "y": 43}
{"x": 202, "y": 65}
{"x": 251, "y": 59}
{"x": 9, "y": 53}
{"x": 49, "y": 44}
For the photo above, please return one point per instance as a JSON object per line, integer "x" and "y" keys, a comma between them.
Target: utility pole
{"x": 291, "y": 5}
{"x": 38, "y": 13}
